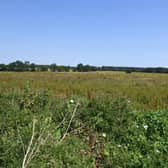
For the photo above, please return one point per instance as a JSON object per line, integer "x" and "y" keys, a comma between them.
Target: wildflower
{"x": 104, "y": 135}
{"x": 145, "y": 127}
{"x": 72, "y": 101}
{"x": 119, "y": 146}
{"x": 157, "y": 151}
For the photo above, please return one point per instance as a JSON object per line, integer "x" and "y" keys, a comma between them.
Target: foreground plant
{"x": 38, "y": 130}
{"x": 35, "y": 143}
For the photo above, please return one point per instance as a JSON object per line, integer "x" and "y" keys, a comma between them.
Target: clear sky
{"x": 96, "y": 32}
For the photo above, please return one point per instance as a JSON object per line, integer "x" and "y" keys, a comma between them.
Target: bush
{"x": 63, "y": 131}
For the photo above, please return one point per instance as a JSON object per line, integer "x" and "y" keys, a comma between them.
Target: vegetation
{"x": 146, "y": 91}
{"x": 83, "y": 119}
{"x": 20, "y": 66}
{"x": 39, "y": 130}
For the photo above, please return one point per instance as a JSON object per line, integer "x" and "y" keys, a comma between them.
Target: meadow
{"x": 144, "y": 90}
{"x": 86, "y": 120}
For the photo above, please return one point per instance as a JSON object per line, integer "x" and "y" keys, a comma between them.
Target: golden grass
{"x": 145, "y": 90}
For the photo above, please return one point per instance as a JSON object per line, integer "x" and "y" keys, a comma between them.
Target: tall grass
{"x": 145, "y": 91}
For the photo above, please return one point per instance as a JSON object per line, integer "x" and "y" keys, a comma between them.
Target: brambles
{"x": 39, "y": 130}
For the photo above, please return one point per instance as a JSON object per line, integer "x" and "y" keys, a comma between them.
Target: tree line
{"x": 19, "y": 66}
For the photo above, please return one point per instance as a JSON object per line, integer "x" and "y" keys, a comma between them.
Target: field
{"x": 83, "y": 120}
{"x": 144, "y": 90}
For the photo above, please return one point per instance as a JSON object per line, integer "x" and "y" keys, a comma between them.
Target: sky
{"x": 95, "y": 32}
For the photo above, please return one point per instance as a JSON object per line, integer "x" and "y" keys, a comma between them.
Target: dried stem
{"x": 33, "y": 148}
{"x": 24, "y": 165}
{"x": 73, "y": 114}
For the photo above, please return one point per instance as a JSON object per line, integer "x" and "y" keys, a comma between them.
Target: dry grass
{"x": 145, "y": 90}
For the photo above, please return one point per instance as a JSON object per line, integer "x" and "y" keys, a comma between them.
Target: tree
{"x": 80, "y": 67}
{"x": 53, "y": 67}
{"x": 2, "y": 67}
{"x": 16, "y": 66}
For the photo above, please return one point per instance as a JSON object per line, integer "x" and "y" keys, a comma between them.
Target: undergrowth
{"x": 39, "y": 130}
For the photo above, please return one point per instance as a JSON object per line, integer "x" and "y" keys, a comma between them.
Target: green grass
{"x": 144, "y": 90}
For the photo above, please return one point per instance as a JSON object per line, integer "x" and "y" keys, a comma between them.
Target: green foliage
{"x": 146, "y": 144}
{"x": 124, "y": 138}
{"x": 20, "y": 66}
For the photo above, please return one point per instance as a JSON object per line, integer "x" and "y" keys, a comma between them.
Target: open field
{"x": 86, "y": 120}
{"x": 144, "y": 90}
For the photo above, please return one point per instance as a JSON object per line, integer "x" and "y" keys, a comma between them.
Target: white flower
{"x": 146, "y": 127}
{"x": 157, "y": 151}
{"x": 72, "y": 101}
{"x": 104, "y": 135}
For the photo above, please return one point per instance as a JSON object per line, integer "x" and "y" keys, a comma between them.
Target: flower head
{"x": 104, "y": 135}
{"x": 145, "y": 127}
{"x": 72, "y": 101}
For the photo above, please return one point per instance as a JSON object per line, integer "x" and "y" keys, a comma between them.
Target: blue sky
{"x": 97, "y": 32}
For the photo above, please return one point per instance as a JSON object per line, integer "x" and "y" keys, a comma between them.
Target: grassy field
{"x": 86, "y": 120}
{"x": 144, "y": 90}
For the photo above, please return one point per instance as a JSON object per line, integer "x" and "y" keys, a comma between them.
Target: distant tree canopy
{"x": 20, "y": 66}
{"x": 85, "y": 68}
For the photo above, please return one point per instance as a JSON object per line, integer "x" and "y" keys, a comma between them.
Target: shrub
{"x": 58, "y": 132}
